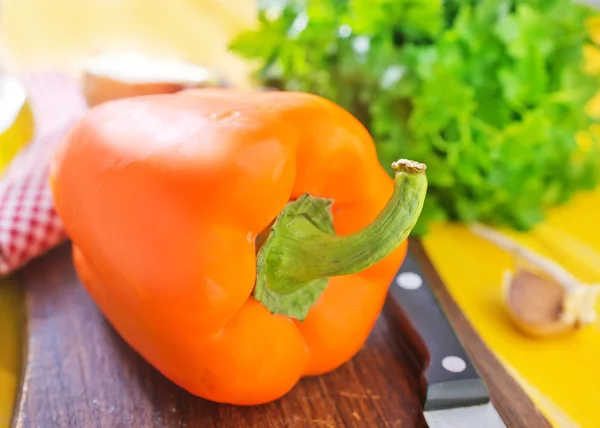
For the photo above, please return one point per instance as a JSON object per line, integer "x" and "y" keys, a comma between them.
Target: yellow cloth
{"x": 561, "y": 374}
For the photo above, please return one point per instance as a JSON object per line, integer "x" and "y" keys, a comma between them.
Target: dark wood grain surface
{"x": 79, "y": 373}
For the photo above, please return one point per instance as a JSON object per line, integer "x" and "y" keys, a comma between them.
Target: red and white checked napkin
{"x": 29, "y": 226}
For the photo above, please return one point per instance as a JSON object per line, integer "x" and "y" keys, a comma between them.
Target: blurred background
{"x": 58, "y": 34}
{"x": 498, "y": 97}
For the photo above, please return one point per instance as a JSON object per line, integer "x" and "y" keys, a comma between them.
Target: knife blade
{"x": 455, "y": 395}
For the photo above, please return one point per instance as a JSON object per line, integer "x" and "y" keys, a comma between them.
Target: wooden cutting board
{"x": 79, "y": 373}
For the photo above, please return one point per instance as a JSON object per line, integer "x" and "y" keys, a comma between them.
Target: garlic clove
{"x": 539, "y": 306}
{"x": 542, "y": 297}
{"x": 535, "y": 303}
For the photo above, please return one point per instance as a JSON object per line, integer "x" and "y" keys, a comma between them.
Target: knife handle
{"x": 450, "y": 377}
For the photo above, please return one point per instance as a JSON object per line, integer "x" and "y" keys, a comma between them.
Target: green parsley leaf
{"x": 490, "y": 94}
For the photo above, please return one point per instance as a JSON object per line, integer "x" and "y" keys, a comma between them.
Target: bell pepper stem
{"x": 303, "y": 251}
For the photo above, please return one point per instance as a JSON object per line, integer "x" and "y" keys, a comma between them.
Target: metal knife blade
{"x": 455, "y": 396}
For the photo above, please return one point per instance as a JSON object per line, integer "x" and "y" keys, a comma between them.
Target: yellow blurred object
{"x": 16, "y": 120}
{"x": 60, "y": 33}
{"x": 592, "y": 107}
{"x": 591, "y": 55}
{"x": 11, "y": 326}
{"x": 593, "y": 28}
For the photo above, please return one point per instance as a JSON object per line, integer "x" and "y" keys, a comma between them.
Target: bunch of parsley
{"x": 490, "y": 94}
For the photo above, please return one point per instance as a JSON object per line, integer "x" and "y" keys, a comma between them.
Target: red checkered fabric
{"x": 29, "y": 226}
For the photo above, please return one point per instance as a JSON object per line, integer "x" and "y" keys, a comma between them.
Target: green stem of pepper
{"x": 303, "y": 251}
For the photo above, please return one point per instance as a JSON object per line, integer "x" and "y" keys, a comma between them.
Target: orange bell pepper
{"x": 168, "y": 199}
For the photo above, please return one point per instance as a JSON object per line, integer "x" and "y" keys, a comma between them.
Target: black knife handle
{"x": 450, "y": 377}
